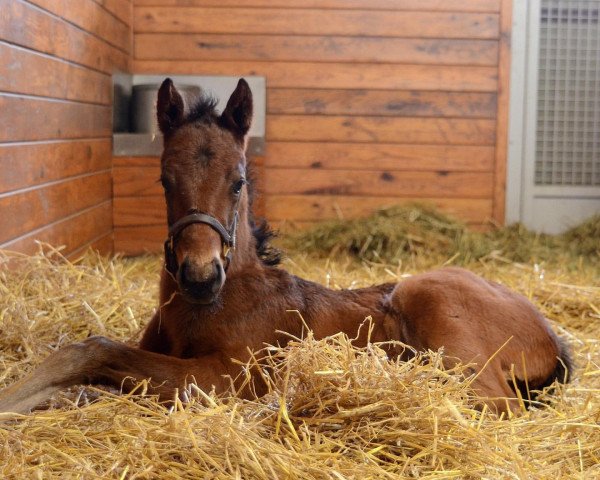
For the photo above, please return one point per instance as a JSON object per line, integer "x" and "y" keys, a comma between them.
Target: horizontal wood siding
{"x": 370, "y": 103}
{"x": 410, "y": 5}
{"x": 56, "y": 59}
{"x": 278, "y": 21}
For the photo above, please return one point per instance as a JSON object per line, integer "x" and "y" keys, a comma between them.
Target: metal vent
{"x": 568, "y": 120}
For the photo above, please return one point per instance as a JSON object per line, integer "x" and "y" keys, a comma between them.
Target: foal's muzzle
{"x": 201, "y": 283}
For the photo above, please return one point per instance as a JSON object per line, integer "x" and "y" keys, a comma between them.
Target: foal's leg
{"x": 104, "y": 361}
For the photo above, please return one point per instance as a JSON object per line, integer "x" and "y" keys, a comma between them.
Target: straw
{"x": 333, "y": 411}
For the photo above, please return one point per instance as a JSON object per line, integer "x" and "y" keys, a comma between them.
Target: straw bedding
{"x": 334, "y": 411}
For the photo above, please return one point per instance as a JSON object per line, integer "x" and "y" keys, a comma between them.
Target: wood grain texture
{"x": 75, "y": 232}
{"x": 56, "y": 58}
{"x": 125, "y": 161}
{"x": 499, "y": 213}
{"x": 294, "y": 226}
{"x": 28, "y": 165}
{"x": 150, "y": 211}
{"x": 316, "y": 128}
{"x": 136, "y": 181}
{"x": 140, "y": 240}
{"x": 137, "y": 211}
{"x": 326, "y": 207}
{"x": 306, "y": 21}
{"x": 142, "y": 182}
{"x": 333, "y": 156}
{"x": 393, "y": 103}
{"x": 91, "y": 17}
{"x": 26, "y": 118}
{"x": 338, "y": 75}
{"x": 424, "y": 5}
{"x": 34, "y": 208}
{"x": 377, "y": 183}
{"x": 315, "y": 49}
{"x": 120, "y": 9}
{"x": 103, "y": 244}
{"x": 31, "y": 73}
{"x": 28, "y": 26}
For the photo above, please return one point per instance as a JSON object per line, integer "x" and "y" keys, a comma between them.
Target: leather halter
{"x": 227, "y": 237}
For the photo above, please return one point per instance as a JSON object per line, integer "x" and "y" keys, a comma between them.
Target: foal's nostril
{"x": 219, "y": 275}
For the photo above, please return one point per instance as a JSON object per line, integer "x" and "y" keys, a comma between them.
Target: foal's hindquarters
{"x": 506, "y": 339}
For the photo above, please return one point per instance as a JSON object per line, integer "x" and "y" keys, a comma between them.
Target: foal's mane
{"x": 203, "y": 109}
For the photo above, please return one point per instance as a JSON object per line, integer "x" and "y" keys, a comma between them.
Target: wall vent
{"x": 568, "y": 115}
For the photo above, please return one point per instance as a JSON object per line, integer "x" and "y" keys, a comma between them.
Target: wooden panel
{"x": 148, "y": 211}
{"x": 377, "y": 183}
{"x": 34, "y": 208}
{"x": 103, "y": 244}
{"x": 132, "y": 181}
{"x": 31, "y": 27}
{"x": 56, "y": 58}
{"x": 325, "y": 207}
{"x": 25, "y": 118}
{"x": 425, "y": 5}
{"x": 121, "y": 9}
{"x": 380, "y": 129}
{"x": 151, "y": 162}
{"x": 339, "y": 75}
{"x": 135, "y": 211}
{"x": 295, "y": 226}
{"x": 140, "y": 240}
{"x": 82, "y": 228}
{"x": 315, "y": 48}
{"x": 384, "y": 156}
{"x": 92, "y": 18}
{"x": 27, "y": 165}
{"x": 394, "y": 103}
{"x": 370, "y": 102}
{"x": 271, "y": 21}
{"x": 24, "y": 71}
{"x": 503, "y": 112}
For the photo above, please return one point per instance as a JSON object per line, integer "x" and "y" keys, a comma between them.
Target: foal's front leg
{"x": 104, "y": 361}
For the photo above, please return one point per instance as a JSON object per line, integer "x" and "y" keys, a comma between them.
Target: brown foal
{"x": 222, "y": 296}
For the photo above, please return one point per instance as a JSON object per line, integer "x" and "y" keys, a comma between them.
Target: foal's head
{"x": 204, "y": 179}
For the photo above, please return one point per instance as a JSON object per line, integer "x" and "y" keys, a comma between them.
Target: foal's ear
{"x": 237, "y": 115}
{"x": 169, "y": 107}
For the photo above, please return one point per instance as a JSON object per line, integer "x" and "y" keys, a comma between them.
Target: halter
{"x": 228, "y": 236}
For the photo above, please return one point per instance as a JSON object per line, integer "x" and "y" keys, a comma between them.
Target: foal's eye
{"x": 237, "y": 186}
{"x": 165, "y": 183}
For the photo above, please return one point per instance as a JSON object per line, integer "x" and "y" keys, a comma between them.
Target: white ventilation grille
{"x": 568, "y": 120}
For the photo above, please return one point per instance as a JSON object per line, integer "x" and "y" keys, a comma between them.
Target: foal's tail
{"x": 564, "y": 365}
{"x": 561, "y": 373}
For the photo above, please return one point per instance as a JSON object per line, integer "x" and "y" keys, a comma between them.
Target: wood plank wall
{"x": 56, "y": 62}
{"x": 369, "y": 102}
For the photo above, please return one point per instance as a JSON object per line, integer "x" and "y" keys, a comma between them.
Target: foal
{"x": 221, "y": 295}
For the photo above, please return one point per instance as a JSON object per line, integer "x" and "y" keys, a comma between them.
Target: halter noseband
{"x": 227, "y": 237}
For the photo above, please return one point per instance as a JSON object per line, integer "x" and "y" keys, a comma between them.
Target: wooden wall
{"x": 56, "y": 61}
{"x": 370, "y": 102}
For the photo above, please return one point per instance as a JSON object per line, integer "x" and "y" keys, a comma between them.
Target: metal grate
{"x": 568, "y": 115}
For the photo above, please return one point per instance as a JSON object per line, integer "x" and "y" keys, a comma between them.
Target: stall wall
{"x": 56, "y": 62}
{"x": 370, "y": 102}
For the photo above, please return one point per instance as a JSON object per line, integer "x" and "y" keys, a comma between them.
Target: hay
{"x": 422, "y": 233}
{"x": 333, "y": 411}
